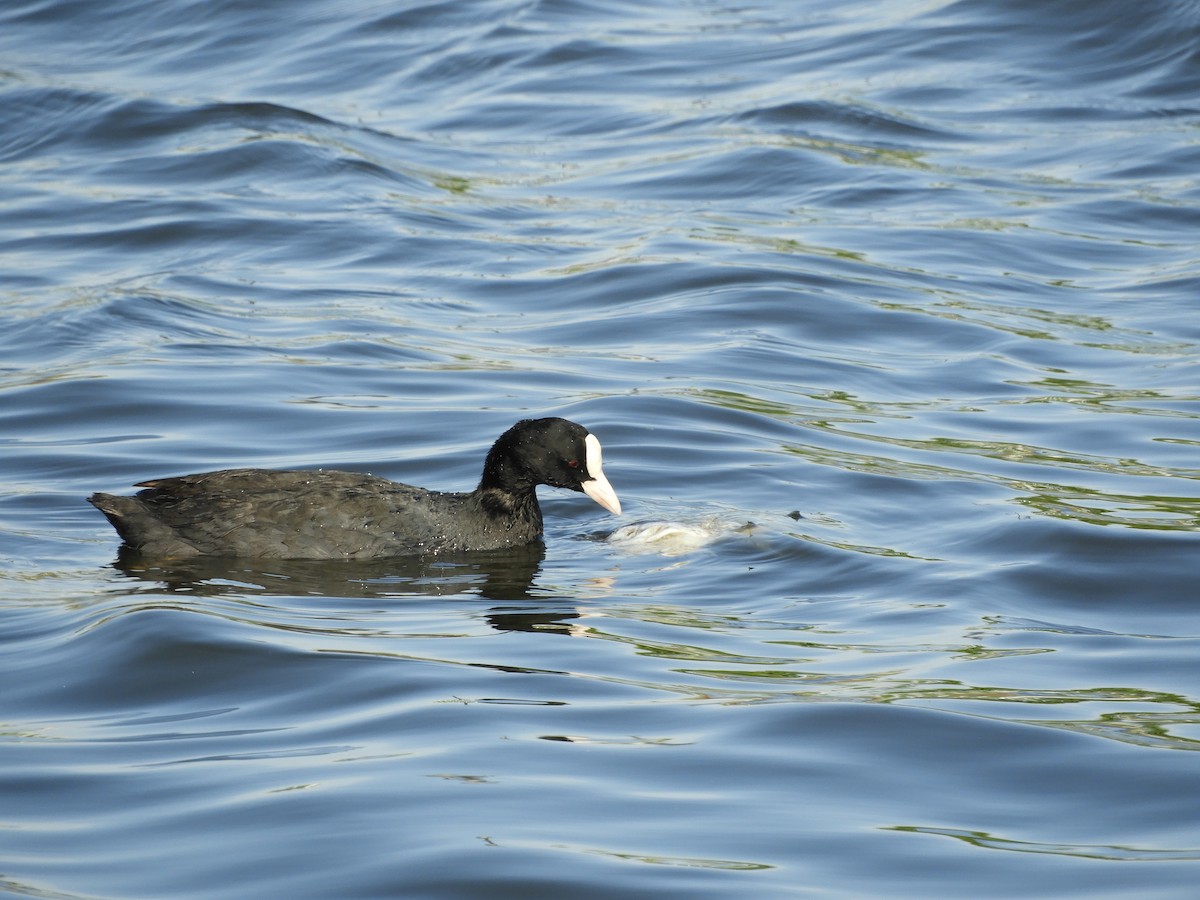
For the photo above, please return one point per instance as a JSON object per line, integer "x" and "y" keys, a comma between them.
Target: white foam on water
{"x": 667, "y": 538}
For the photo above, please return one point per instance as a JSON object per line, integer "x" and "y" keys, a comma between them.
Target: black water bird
{"x": 272, "y": 514}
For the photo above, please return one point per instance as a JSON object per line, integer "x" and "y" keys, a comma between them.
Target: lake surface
{"x": 888, "y": 318}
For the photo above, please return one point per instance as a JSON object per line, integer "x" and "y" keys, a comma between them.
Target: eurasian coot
{"x": 270, "y": 514}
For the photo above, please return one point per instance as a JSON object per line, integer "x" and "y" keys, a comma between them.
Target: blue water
{"x": 888, "y": 318}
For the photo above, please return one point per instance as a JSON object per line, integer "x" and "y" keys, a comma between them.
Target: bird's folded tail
{"x": 138, "y": 527}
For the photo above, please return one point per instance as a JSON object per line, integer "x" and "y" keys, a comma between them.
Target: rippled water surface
{"x": 887, "y": 315}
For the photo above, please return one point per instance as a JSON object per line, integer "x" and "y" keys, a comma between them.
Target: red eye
{"x": 573, "y": 464}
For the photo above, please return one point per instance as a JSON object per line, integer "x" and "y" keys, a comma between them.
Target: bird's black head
{"x": 552, "y": 451}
